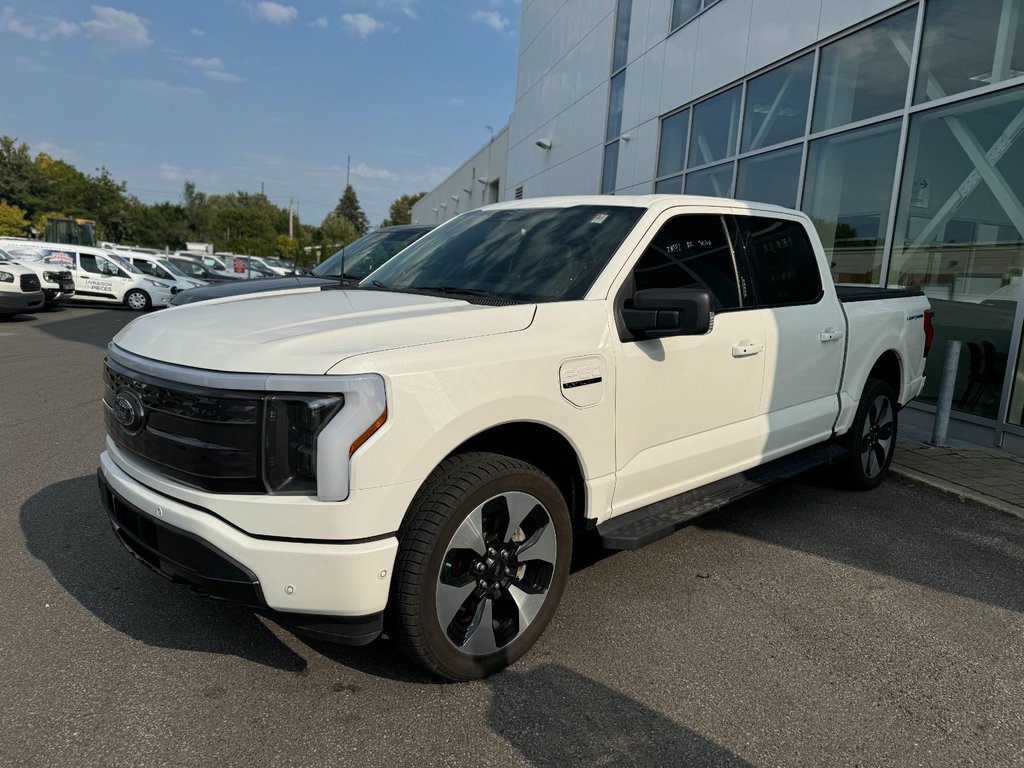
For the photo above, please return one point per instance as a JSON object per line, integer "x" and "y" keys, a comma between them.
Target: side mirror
{"x": 655, "y": 313}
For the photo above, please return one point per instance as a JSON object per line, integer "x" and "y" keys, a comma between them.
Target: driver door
{"x": 97, "y": 278}
{"x": 687, "y": 407}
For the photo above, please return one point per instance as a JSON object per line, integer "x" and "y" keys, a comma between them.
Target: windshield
{"x": 529, "y": 254}
{"x": 367, "y": 253}
{"x": 123, "y": 262}
{"x": 170, "y": 267}
{"x": 5, "y": 256}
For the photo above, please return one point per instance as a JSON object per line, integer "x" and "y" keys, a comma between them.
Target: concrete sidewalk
{"x": 986, "y": 475}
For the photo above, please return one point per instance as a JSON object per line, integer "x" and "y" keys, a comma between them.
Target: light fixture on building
{"x": 483, "y": 180}
{"x": 433, "y": 210}
{"x": 544, "y": 143}
{"x": 455, "y": 198}
{"x": 626, "y": 136}
{"x": 467, "y": 190}
{"x": 443, "y": 205}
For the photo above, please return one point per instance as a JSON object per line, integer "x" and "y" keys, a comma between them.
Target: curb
{"x": 958, "y": 490}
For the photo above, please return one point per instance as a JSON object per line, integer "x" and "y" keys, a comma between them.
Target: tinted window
{"x": 782, "y": 261}
{"x": 148, "y": 267}
{"x": 368, "y": 253}
{"x": 691, "y": 252}
{"x": 88, "y": 262}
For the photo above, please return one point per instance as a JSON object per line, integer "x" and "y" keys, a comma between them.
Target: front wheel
{"x": 483, "y": 561}
{"x": 137, "y": 300}
{"x": 871, "y": 441}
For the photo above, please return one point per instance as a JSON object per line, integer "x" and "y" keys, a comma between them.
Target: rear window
{"x": 782, "y": 261}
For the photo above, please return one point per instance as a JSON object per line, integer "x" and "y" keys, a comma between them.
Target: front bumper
{"x": 21, "y": 302}
{"x": 332, "y": 590}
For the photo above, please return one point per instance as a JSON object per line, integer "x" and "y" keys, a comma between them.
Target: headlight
{"x": 51, "y": 277}
{"x": 6, "y": 277}
{"x": 291, "y": 426}
{"x": 157, "y": 283}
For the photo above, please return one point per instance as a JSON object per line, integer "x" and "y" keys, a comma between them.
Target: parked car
{"x": 194, "y": 268}
{"x": 424, "y": 445}
{"x": 162, "y": 268}
{"x": 56, "y": 283}
{"x": 358, "y": 259}
{"x": 99, "y": 276}
{"x": 20, "y": 292}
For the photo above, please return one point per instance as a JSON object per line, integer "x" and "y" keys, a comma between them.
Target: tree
{"x": 337, "y": 231}
{"x": 401, "y": 210}
{"x": 348, "y": 206}
{"x": 12, "y": 220}
{"x": 286, "y": 247}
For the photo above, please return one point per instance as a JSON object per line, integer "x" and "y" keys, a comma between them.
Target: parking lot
{"x": 803, "y": 626}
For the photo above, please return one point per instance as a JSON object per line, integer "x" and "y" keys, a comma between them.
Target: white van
{"x": 99, "y": 275}
{"x": 55, "y": 281}
{"x": 19, "y": 288}
{"x": 161, "y": 268}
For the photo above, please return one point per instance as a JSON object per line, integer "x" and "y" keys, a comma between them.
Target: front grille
{"x": 29, "y": 283}
{"x": 207, "y": 438}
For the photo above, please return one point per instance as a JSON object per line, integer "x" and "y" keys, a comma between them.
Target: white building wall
{"x": 478, "y": 181}
{"x": 565, "y": 68}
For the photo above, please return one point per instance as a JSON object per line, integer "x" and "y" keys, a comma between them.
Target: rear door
{"x": 804, "y": 332}
{"x": 688, "y": 407}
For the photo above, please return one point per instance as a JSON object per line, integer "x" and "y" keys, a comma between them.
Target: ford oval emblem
{"x": 128, "y": 410}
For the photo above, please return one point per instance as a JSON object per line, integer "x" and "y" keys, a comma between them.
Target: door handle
{"x": 747, "y": 348}
{"x": 830, "y": 334}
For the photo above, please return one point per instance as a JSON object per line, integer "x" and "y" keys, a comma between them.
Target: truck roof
{"x": 638, "y": 201}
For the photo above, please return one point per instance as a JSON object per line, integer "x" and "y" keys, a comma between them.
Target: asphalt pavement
{"x": 805, "y": 626}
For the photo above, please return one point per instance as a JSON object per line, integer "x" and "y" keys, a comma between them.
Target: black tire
{"x": 871, "y": 441}
{"x": 499, "y": 488}
{"x": 138, "y": 300}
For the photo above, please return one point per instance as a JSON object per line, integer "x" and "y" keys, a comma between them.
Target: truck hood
{"x": 308, "y": 332}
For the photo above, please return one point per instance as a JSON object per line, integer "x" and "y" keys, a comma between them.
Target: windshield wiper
{"x": 453, "y": 291}
{"x": 379, "y": 284}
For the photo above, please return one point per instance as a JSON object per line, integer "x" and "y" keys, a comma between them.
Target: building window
{"x": 713, "y": 182}
{"x": 968, "y": 45}
{"x": 616, "y": 92}
{"x": 684, "y": 10}
{"x": 865, "y": 74}
{"x": 611, "y": 168}
{"x": 672, "y": 148}
{"x": 776, "y": 106}
{"x": 620, "y": 53}
{"x": 672, "y": 186}
{"x": 959, "y": 236}
{"x": 847, "y": 193}
{"x": 772, "y": 177}
{"x": 715, "y": 128}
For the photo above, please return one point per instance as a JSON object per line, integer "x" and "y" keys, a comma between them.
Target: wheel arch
{"x": 888, "y": 368}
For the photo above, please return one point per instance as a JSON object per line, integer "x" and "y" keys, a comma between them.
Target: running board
{"x": 640, "y": 527}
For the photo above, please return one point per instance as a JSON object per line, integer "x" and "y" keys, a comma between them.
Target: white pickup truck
{"x": 414, "y": 455}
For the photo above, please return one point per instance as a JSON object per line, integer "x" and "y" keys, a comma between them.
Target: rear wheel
{"x": 137, "y": 300}
{"x": 871, "y": 441}
{"x": 482, "y": 564}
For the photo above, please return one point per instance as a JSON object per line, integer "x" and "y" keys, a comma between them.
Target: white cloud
{"x": 198, "y": 63}
{"x": 119, "y": 28}
{"x": 363, "y": 24}
{"x": 197, "y": 32}
{"x": 364, "y": 171}
{"x": 492, "y": 19}
{"x": 276, "y": 13}
{"x": 170, "y": 172}
{"x": 36, "y": 28}
{"x": 161, "y": 86}
{"x": 221, "y": 76}
{"x": 457, "y": 101}
{"x": 320, "y": 23}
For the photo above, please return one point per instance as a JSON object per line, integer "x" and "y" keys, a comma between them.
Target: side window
{"x": 88, "y": 263}
{"x": 692, "y": 251}
{"x": 782, "y": 261}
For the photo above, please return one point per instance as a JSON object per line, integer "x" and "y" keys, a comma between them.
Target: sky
{"x": 231, "y": 94}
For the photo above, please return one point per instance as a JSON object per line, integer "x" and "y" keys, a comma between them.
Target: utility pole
{"x": 348, "y": 171}
{"x": 291, "y": 217}
{"x": 263, "y": 191}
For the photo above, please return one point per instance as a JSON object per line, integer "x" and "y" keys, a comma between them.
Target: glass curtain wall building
{"x": 903, "y": 140}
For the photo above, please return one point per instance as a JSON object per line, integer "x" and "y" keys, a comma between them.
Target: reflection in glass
{"x": 615, "y": 96}
{"x": 968, "y": 45}
{"x": 865, "y": 74}
{"x": 673, "y": 186}
{"x": 611, "y": 168}
{"x": 673, "y": 142}
{"x": 713, "y": 182}
{"x": 847, "y": 191}
{"x": 621, "y": 51}
{"x": 715, "y": 125}
{"x": 959, "y": 237}
{"x": 777, "y": 102}
{"x": 771, "y": 178}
